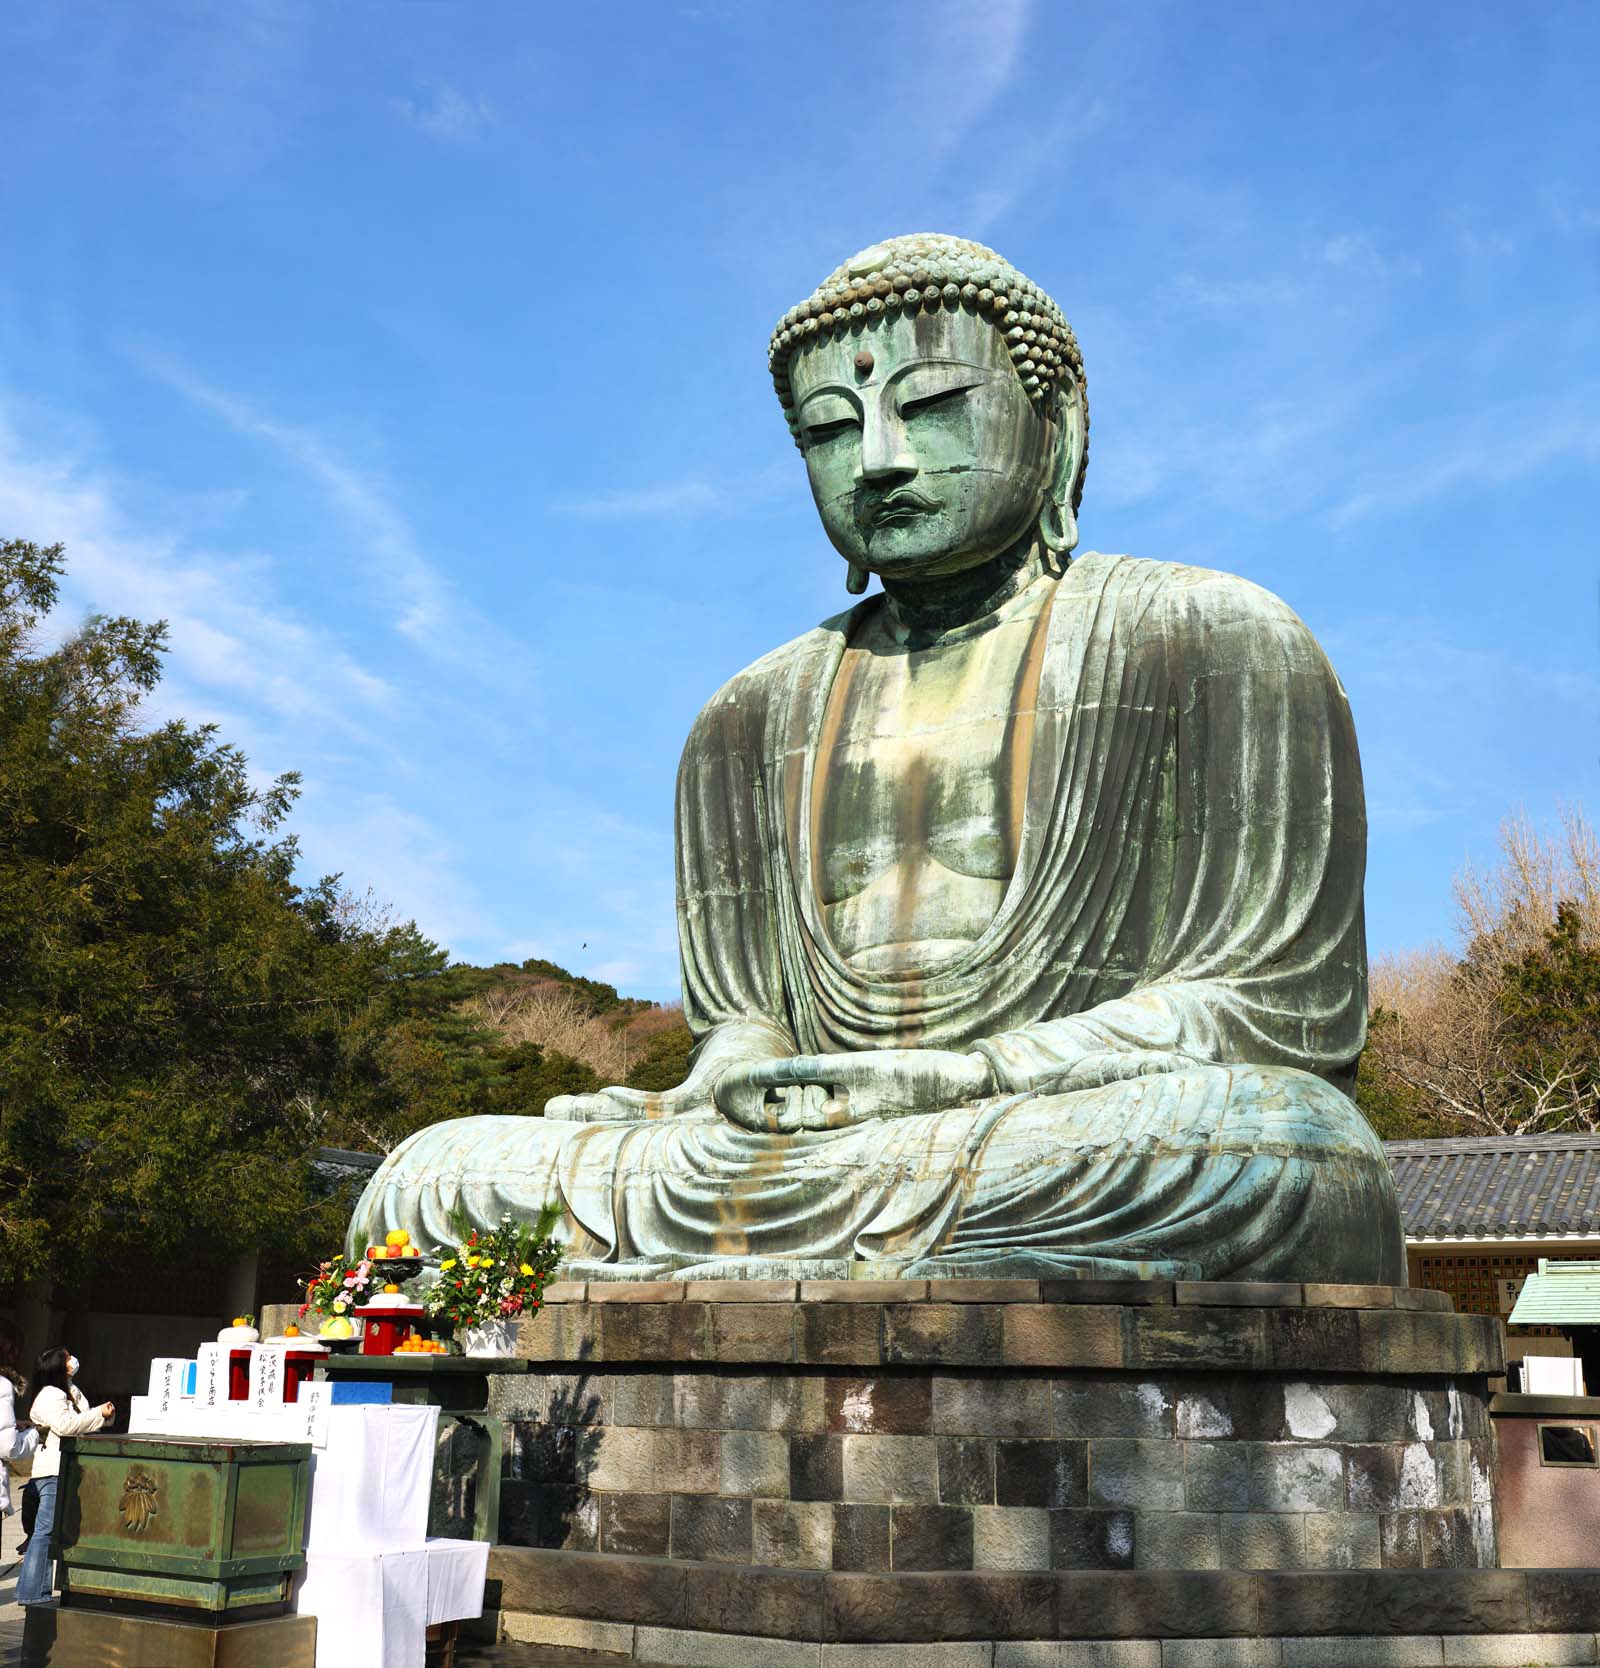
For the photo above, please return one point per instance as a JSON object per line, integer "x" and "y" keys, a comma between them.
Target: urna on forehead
{"x": 924, "y": 272}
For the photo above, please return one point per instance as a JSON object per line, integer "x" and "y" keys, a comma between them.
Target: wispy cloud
{"x": 1356, "y": 253}
{"x": 1483, "y": 245}
{"x": 411, "y": 862}
{"x": 970, "y": 56}
{"x": 1482, "y": 455}
{"x": 621, "y": 504}
{"x": 426, "y": 611}
{"x": 448, "y": 114}
{"x": 1408, "y": 675}
{"x": 1270, "y": 451}
{"x": 419, "y": 590}
{"x": 233, "y": 645}
{"x": 1026, "y": 160}
{"x": 1246, "y": 293}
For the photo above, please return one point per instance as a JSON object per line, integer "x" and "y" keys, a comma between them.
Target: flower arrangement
{"x": 337, "y": 1287}
{"x": 495, "y": 1275}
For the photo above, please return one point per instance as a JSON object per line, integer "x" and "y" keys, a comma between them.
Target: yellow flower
{"x": 472, "y": 1262}
{"x": 446, "y": 1265}
{"x": 525, "y": 1269}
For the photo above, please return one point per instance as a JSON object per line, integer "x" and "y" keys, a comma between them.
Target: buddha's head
{"x": 938, "y": 399}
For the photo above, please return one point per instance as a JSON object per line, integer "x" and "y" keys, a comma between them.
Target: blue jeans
{"x": 35, "y": 1583}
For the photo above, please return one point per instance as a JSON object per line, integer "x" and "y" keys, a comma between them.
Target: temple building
{"x": 1479, "y": 1213}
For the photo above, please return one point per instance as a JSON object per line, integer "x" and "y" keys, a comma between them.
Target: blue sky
{"x": 409, "y": 357}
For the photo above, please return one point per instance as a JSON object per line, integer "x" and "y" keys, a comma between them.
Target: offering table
{"x": 466, "y": 1477}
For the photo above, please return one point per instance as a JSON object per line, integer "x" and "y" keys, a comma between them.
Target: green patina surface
{"x": 1020, "y": 906}
{"x": 202, "y": 1524}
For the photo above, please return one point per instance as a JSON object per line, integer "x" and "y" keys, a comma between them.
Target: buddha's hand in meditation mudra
{"x": 831, "y": 1091}
{"x": 806, "y": 1091}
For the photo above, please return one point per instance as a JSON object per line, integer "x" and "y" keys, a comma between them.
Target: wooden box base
{"x": 56, "y": 1638}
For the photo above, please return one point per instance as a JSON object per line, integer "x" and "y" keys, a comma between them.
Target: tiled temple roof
{"x": 1498, "y": 1187}
{"x": 337, "y": 1167}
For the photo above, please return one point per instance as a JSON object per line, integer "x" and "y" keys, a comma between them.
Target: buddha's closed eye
{"x": 920, "y": 403}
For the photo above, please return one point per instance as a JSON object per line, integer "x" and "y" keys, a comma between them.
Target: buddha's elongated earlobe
{"x": 1058, "y": 521}
{"x": 1058, "y": 528}
{"x": 855, "y": 579}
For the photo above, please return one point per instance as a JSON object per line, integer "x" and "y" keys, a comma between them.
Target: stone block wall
{"x": 1003, "y": 1426}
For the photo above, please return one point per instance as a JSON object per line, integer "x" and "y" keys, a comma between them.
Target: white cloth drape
{"x": 370, "y": 1485}
{"x": 373, "y": 1609}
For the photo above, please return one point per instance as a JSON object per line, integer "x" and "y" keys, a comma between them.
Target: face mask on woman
{"x": 72, "y": 1366}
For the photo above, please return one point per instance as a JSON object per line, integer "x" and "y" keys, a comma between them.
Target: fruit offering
{"x": 241, "y": 1332}
{"x": 340, "y": 1326}
{"x": 396, "y": 1243}
{"x": 413, "y": 1345}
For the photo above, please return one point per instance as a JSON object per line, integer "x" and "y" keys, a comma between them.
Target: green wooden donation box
{"x": 213, "y": 1527}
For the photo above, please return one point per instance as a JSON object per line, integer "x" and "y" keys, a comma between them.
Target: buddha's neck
{"x": 929, "y": 607}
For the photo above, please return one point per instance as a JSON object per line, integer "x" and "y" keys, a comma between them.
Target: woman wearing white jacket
{"x": 59, "y": 1409}
{"x": 15, "y": 1445}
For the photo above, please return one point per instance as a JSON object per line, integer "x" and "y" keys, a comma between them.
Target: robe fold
{"x": 1187, "y": 895}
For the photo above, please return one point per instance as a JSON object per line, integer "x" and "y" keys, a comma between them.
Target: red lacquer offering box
{"x": 388, "y": 1319}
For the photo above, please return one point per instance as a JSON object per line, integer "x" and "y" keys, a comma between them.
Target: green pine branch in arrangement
{"x": 495, "y": 1274}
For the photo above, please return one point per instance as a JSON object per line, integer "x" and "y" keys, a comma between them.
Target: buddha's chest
{"x": 918, "y": 795}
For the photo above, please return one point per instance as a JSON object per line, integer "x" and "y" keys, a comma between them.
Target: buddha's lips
{"x": 902, "y": 505}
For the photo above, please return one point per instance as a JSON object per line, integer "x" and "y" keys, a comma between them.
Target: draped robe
{"x": 1187, "y": 897}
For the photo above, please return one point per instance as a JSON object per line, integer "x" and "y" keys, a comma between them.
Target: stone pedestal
{"x": 692, "y": 1468}
{"x": 1005, "y": 1425}
{"x": 77, "y": 1638}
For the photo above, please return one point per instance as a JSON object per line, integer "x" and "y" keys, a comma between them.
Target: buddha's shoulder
{"x": 1156, "y": 598}
{"x": 749, "y": 691}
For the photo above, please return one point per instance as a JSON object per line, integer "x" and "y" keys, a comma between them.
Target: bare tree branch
{"x": 1442, "y": 1026}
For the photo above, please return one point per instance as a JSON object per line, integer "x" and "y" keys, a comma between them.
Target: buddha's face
{"x": 925, "y": 455}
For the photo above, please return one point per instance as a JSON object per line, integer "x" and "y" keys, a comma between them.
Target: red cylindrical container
{"x": 238, "y": 1375}
{"x": 298, "y": 1367}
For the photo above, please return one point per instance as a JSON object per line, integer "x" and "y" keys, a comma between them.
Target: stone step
{"x": 511, "y": 1655}
{"x": 617, "y": 1602}
{"x": 1502, "y": 1650}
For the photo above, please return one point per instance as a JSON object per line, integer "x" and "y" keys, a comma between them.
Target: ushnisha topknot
{"x": 925, "y": 270}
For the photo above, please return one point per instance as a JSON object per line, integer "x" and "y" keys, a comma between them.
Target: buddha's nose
{"x": 885, "y": 449}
